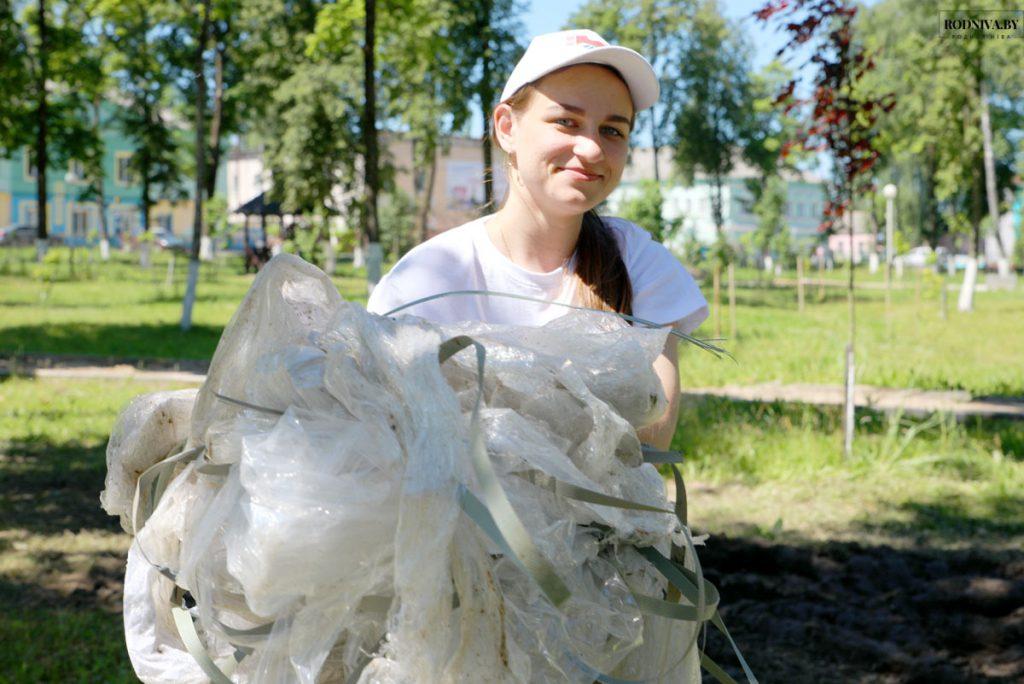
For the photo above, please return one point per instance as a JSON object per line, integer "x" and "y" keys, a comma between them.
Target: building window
{"x": 164, "y": 222}
{"x": 123, "y": 170}
{"x": 80, "y": 220}
{"x": 29, "y": 164}
{"x": 28, "y": 213}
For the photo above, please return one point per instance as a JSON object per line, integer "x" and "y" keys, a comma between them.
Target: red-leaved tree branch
{"x": 841, "y": 118}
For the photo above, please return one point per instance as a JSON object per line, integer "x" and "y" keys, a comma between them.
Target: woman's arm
{"x": 659, "y": 433}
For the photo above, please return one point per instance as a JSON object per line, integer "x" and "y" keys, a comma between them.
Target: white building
{"x": 805, "y": 198}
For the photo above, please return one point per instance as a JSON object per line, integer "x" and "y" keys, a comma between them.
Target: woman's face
{"x": 570, "y": 141}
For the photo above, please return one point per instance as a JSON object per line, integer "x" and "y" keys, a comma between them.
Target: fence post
{"x": 732, "y": 301}
{"x": 717, "y": 288}
{"x": 800, "y": 283}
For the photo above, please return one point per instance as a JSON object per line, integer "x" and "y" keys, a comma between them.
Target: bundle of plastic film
{"x": 612, "y": 357}
{"x": 319, "y": 533}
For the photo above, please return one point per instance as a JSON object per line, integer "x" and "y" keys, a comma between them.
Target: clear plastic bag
{"x": 321, "y": 528}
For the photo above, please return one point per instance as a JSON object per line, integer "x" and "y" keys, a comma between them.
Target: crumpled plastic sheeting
{"x": 337, "y": 525}
{"x": 148, "y": 429}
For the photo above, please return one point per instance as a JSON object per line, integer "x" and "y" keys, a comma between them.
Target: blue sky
{"x": 545, "y": 16}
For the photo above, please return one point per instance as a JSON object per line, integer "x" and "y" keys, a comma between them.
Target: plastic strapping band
{"x": 703, "y": 344}
{"x": 652, "y": 455}
{"x": 194, "y": 645}
{"x": 680, "y": 506}
{"x": 683, "y": 580}
{"x": 715, "y": 670}
{"x": 511, "y": 529}
{"x": 154, "y": 481}
{"x": 571, "y": 491}
{"x": 245, "y": 404}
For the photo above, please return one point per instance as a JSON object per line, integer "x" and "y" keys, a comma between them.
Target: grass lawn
{"x": 61, "y": 556}
{"x": 777, "y": 471}
{"x": 118, "y": 309}
{"x": 767, "y": 471}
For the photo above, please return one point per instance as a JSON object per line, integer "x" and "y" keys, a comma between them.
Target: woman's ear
{"x": 503, "y": 123}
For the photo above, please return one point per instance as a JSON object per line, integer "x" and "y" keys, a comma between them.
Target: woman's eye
{"x": 611, "y": 130}
{"x": 565, "y": 122}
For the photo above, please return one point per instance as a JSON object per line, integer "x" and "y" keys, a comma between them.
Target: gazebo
{"x": 259, "y": 206}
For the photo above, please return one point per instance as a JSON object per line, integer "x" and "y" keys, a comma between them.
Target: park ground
{"x": 901, "y": 563}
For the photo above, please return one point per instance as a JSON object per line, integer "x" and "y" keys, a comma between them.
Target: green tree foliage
{"x": 16, "y": 106}
{"x": 657, "y": 29}
{"x": 714, "y": 120}
{"x": 397, "y": 221}
{"x": 49, "y": 75}
{"x": 138, "y": 60}
{"x": 487, "y": 34}
{"x": 772, "y": 234}
{"x": 932, "y": 139}
{"x": 644, "y": 208}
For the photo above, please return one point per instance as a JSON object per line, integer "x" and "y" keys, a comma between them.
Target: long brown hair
{"x": 602, "y": 279}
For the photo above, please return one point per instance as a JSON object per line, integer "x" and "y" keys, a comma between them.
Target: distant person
{"x": 564, "y": 121}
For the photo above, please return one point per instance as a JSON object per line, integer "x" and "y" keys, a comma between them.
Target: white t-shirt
{"x": 464, "y": 258}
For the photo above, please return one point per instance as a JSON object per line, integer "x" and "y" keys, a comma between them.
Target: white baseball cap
{"x": 552, "y": 51}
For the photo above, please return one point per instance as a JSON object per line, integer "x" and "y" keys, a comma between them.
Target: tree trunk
{"x": 990, "y": 171}
{"x": 42, "y": 234}
{"x": 101, "y": 191}
{"x": 851, "y": 375}
{"x": 485, "y": 93}
{"x": 197, "y": 219}
{"x": 371, "y": 227}
{"x": 428, "y": 196}
{"x": 217, "y": 120}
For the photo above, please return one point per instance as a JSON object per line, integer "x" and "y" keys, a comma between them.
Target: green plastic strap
{"x": 506, "y": 522}
{"x": 153, "y": 482}
{"x": 683, "y": 580}
{"x": 215, "y": 469}
{"x": 245, "y": 404}
{"x": 652, "y": 455}
{"x": 680, "y": 507}
{"x": 717, "y": 622}
{"x": 571, "y": 491}
{"x": 672, "y": 611}
{"x": 686, "y": 581}
{"x": 703, "y": 344}
{"x": 194, "y": 645}
{"x": 715, "y": 670}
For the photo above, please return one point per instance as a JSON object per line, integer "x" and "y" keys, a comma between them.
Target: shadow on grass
{"x": 702, "y": 420}
{"x": 983, "y": 517}
{"x": 48, "y": 489}
{"x": 140, "y": 341}
{"x": 805, "y": 612}
{"x": 48, "y": 636}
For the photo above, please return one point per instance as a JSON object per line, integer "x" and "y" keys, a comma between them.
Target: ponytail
{"x": 603, "y": 281}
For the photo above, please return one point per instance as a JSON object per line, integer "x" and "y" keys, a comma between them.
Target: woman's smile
{"x": 576, "y": 173}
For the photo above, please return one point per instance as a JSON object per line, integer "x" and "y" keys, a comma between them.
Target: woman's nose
{"x": 587, "y": 147}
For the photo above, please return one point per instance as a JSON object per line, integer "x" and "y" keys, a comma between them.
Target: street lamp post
{"x": 890, "y": 192}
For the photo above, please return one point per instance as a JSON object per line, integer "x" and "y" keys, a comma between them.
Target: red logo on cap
{"x": 580, "y": 39}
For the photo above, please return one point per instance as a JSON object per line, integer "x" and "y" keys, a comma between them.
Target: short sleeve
{"x": 663, "y": 290}
{"x": 384, "y": 297}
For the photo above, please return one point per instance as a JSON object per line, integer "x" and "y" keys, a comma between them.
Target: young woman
{"x": 564, "y": 123}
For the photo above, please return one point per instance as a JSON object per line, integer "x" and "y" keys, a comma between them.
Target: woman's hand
{"x": 659, "y": 433}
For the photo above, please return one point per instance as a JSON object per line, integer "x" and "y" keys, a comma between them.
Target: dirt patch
{"x": 850, "y": 612}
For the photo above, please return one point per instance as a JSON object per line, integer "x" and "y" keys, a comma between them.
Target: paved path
{"x": 911, "y": 401}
